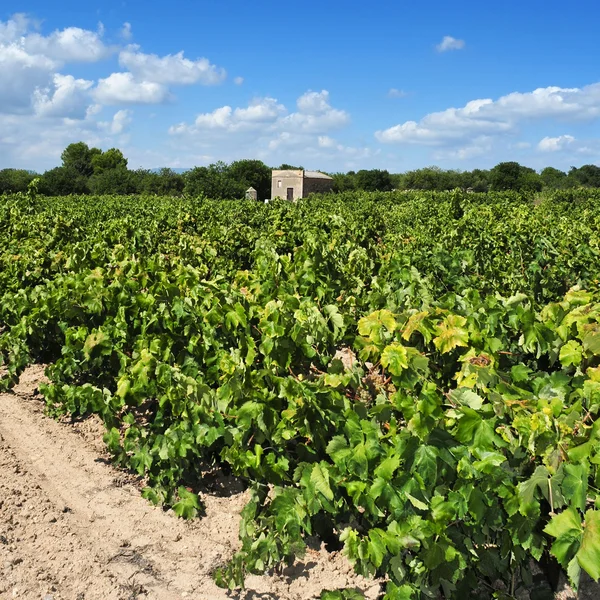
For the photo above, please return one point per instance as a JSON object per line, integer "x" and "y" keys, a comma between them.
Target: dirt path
{"x": 74, "y": 527}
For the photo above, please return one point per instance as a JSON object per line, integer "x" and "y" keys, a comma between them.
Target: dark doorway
{"x": 290, "y": 193}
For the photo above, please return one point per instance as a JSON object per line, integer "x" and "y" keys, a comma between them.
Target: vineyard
{"x": 412, "y": 377}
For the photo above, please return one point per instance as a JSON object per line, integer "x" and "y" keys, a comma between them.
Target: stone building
{"x": 294, "y": 184}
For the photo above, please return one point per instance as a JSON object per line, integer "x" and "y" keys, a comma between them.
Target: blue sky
{"x": 331, "y": 85}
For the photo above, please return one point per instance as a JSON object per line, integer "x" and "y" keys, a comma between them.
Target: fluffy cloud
{"x": 122, "y": 88}
{"x": 238, "y": 80}
{"x": 554, "y": 144}
{"x": 325, "y": 141}
{"x": 69, "y": 97}
{"x": 71, "y": 44}
{"x": 314, "y": 103}
{"x": 314, "y": 115}
{"x": 120, "y": 121}
{"x": 170, "y": 69}
{"x": 22, "y": 73}
{"x": 267, "y": 130}
{"x": 14, "y": 28}
{"x": 260, "y": 112}
{"x": 450, "y": 43}
{"x": 22, "y": 146}
{"x": 29, "y": 63}
{"x": 492, "y": 117}
{"x": 478, "y": 147}
{"x": 264, "y": 110}
{"x": 67, "y": 45}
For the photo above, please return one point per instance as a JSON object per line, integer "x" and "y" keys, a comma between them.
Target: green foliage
{"x": 513, "y": 176}
{"x": 62, "y": 181}
{"x": 420, "y": 382}
{"x": 15, "y": 180}
{"x": 252, "y": 173}
{"x": 117, "y": 180}
{"x": 107, "y": 161}
{"x": 374, "y": 180}
{"x": 554, "y": 178}
{"x": 587, "y": 175}
{"x": 346, "y": 594}
{"x": 79, "y": 158}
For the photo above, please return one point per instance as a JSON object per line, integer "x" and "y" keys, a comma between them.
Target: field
{"x": 412, "y": 379}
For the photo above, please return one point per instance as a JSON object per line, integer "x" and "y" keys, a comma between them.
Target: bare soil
{"x": 73, "y": 527}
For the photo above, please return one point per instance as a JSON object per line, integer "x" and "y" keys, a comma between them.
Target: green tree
{"x": 252, "y": 173}
{"x": 78, "y": 157}
{"x": 62, "y": 181}
{"x": 213, "y": 181}
{"x": 169, "y": 182}
{"x": 286, "y": 167}
{"x": 513, "y": 176}
{"x": 553, "y": 178}
{"x": 344, "y": 182}
{"x": 478, "y": 180}
{"x": 432, "y": 178}
{"x": 586, "y": 176}
{"x": 110, "y": 159}
{"x": 374, "y": 180}
{"x": 117, "y": 180}
{"x": 15, "y": 180}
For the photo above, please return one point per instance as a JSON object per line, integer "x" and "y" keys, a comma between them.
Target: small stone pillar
{"x": 251, "y": 194}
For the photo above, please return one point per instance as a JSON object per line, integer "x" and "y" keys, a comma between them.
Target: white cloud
{"x": 489, "y": 117}
{"x": 220, "y": 118}
{"x": 170, "y": 69}
{"x": 125, "y": 32}
{"x": 68, "y": 98}
{"x": 314, "y": 103}
{"x": 260, "y": 112}
{"x": 325, "y": 141}
{"x": 67, "y": 45}
{"x": 266, "y": 130}
{"x": 477, "y": 147}
{"x": 314, "y": 115}
{"x": 14, "y": 28}
{"x": 29, "y": 63}
{"x": 450, "y": 43}
{"x": 22, "y": 73}
{"x": 23, "y": 146}
{"x": 120, "y": 121}
{"x": 395, "y": 93}
{"x": 238, "y": 80}
{"x": 122, "y": 88}
{"x": 301, "y": 148}
{"x": 554, "y": 144}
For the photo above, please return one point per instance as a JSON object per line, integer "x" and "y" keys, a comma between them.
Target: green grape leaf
{"x": 589, "y": 552}
{"x": 395, "y": 358}
{"x": 451, "y": 334}
{"x": 571, "y": 354}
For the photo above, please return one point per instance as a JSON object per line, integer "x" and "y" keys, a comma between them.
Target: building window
{"x": 279, "y": 183}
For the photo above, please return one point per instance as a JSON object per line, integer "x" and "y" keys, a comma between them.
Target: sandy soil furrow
{"x": 74, "y": 527}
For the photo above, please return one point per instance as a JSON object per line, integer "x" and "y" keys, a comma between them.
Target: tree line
{"x": 86, "y": 170}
